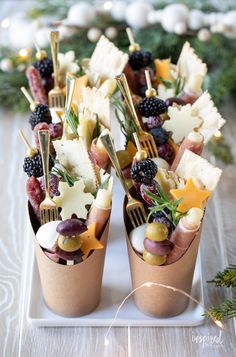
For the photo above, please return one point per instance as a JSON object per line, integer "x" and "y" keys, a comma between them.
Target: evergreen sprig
{"x": 60, "y": 171}
{"x": 162, "y": 203}
{"x": 225, "y": 310}
{"x": 72, "y": 119}
{"x": 226, "y": 278}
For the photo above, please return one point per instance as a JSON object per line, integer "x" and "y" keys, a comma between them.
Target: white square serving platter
{"x": 116, "y": 286}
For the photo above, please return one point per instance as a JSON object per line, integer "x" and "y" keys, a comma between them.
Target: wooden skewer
{"x": 29, "y": 98}
{"x": 30, "y": 150}
{"x": 130, "y": 35}
{"x": 150, "y": 92}
{"x": 133, "y": 45}
{"x": 141, "y": 154}
{"x": 37, "y": 46}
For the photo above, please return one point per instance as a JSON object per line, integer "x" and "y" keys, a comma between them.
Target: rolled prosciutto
{"x": 100, "y": 210}
{"x": 184, "y": 234}
{"x": 192, "y": 142}
{"x": 98, "y": 154}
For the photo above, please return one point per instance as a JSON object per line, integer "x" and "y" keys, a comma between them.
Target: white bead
{"x": 94, "y": 34}
{"x": 118, "y": 10}
{"x": 154, "y": 17}
{"x": 180, "y": 28}
{"x": 172, "y": 15}
{"x": 111, "y": 32}
{"x": 136, "y": 14}
{"x": 204, "y": 35}
{"x": 137, "y": 236}
{"x": 6, "y": 65}
{"x": 81, "y": 14}
{"x": 195, "y": 20}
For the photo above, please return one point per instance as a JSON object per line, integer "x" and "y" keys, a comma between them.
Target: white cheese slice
{"x": 200, "y": 170}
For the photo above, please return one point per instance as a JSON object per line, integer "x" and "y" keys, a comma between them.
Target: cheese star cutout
{"x": 89, "y": 241}
{"x": 181, "y": 122}
{"x": 73, "y": 200}
{"x": 191, "y": 196}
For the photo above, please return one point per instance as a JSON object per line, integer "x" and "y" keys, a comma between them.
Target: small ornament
{"x": 111, "y": 32}
{"x": 229, "y": 22}
{"x": 118, "y": 10}
{"x": 204, "y": 35}
{"x": 21, "y": 67}
{"x": 94, "y": 34}
{"x": 6, "y": 65}
{"x": 172, "y": 15}
{"x": 81, "y": 14}
{"x": 191, "y": 196}
{"x": 180, "y": 28}
{"x": 136, "y": 14}
{"x": 195, "y": 20}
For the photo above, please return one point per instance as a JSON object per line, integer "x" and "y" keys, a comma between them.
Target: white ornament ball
{"x": 21, "y": 31}
{"x": 154, "y": 17}
{"x": 180, "y": 28}
{"x": 111, "y": 32}
{"x": 118, "y": 10}
{"x": 94, "y": 34}
{"x": 21, "y": 67}
{"x": 65, "y": 32}
{"x": 6, "y": 65}
{"x": 81, "y": 14}
{"x": 136, "y": 14}
{"x": 229, "y": 20}
{"x": 204, "y": 35}
{"x": 195, "y": 20}
{"x": 42, "y": 37}
{"x": 172, "y": 15}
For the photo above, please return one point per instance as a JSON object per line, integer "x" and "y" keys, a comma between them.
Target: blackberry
{"x": 152, "y": 106}
{"x": 140, "y": 59}
{"x": 160, "y": 135}
{"x": 144, "y": 171}
{"x": 33, "y": 166}
{"x": 41, "y": 114}
{"x": 45, "y": 67}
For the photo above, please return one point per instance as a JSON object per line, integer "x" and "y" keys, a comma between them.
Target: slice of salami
{"x": 36, "y": 85}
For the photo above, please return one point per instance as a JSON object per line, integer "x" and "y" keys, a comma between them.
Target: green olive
{"x": 153, "y": 259}
{"x": 124, "y": 158}
{"x": 69, "y": 244}
{"x": 156, "y": 231}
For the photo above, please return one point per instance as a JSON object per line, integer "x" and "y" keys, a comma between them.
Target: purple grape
{"x": 71, "y": 227}
{"x": 55, "y": 130}
{"x": 151, "y": 188}
{"x": 166, "y": 152}
{"x": 154, "y": 122}
{"x": 172, "y": 100}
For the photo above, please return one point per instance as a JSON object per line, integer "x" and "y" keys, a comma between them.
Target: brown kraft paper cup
{"x": 70, "y": 290}
{"x": 159, "y": 301}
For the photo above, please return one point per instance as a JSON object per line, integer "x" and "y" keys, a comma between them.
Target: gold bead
{"x": 32, "y": 152}
{"x": 41, "y": 55}
{"x": 134, "y": 47}
{"x": 141, "y": 155}
{"x": 150, "y": 93}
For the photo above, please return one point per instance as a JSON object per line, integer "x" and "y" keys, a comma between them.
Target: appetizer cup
{"x": 70, "y": 290}
{"x": 155, "y": 300}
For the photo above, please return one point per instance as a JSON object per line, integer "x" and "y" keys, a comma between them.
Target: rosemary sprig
{"x": 62, "y": 172}
{"x": 101, "y": 186}
{"x": 72, "y": 120}
{"x": 227, "y": 309}
{"x": 167, "y": 82}
{"x": 97, "y": 129}
{"x": 162, "y": 203}
{"x": 226, "y": 278}
{"x": 127, "y": 124}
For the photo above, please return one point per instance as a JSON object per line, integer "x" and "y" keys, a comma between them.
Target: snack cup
{"x": 70, "y": 290}
{"x": 155, "y": 300}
